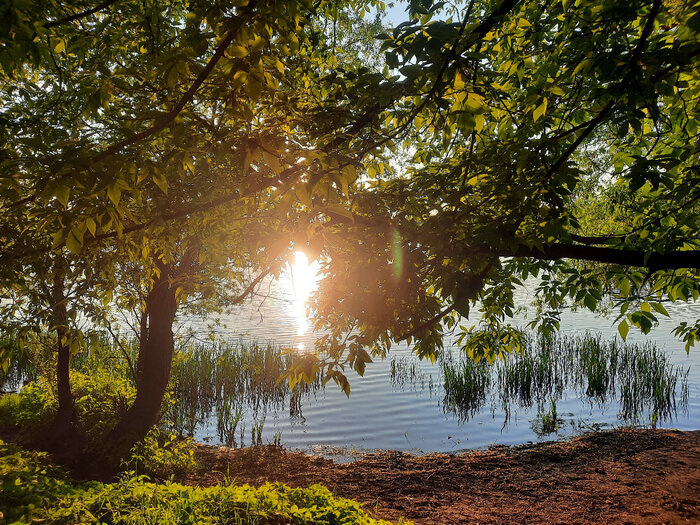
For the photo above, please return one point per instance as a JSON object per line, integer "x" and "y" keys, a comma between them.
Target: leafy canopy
{"x": 500, "y": 141}
{"x": 550, "y": 142}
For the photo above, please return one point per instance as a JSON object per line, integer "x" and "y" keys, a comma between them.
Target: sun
{"x": 304, "y": 280}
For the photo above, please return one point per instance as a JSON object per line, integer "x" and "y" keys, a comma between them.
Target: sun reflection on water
{"x": 303, "y": 280}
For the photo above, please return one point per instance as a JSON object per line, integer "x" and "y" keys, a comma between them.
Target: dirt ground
{"x": 624, "y": 476}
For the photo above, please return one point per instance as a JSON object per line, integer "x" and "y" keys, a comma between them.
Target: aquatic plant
{"x": 547, "y": 421}
{"x": 466, "y": 386}
{"x": 226, "y": 381}
{"x": 405, "y": 371}
{"x": 640, "y": 377}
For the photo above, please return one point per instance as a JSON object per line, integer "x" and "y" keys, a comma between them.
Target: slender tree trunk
{"x": 62, "y": 428}
{"x": 153, "y": 368}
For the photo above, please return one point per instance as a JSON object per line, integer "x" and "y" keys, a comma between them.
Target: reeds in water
{"x": 640, "y": 378}
{"x": 228, "y": 381}
{"x": 466, "y": 386}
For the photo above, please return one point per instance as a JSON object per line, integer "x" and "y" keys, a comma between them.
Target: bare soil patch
{"x": 623, "y": 476}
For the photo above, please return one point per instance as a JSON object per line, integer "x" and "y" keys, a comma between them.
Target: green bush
{"x": 33, "y": 491}
{"x": 162, "y": 454}
{"x": 31, "y": 409}
{"x": 100, "y": 401}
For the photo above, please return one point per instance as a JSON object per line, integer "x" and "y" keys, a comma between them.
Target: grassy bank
{"x": 34, "y": 491}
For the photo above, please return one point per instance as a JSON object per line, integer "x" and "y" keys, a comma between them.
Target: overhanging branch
{"x": 653, "y": 261}
{"x": 82, "y": 14}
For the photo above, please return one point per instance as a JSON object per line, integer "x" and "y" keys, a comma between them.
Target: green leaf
{"x": 91, "y": 226}
{"x": 659, "y": 308}
{"x": 540, "y": 110}
{"x": 114, "y": 193}
{"x": 73, "y": 243}
{"x": 590, "y": 302}
{"x": 624, "y": 329}
{"x": 62, "y": 193}
{"x": 238, "y": 51}
{"x": 253, "y": 87}
{"x": 160, "y": 181}
{"x": 59, "y": 238}
{"x": 624, "y": 287}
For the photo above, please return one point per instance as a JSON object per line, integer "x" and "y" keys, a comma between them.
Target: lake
{"x": 399, "y": 403}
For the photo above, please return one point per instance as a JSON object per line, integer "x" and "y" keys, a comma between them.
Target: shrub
{"x": 162, "y": 454}
{"x": 31, "y": 409}
{"x": 33, "y": 491}
{"x": 100, "y": 400}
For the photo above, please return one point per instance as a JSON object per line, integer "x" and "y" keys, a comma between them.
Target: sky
{"x": 397, "y": 13}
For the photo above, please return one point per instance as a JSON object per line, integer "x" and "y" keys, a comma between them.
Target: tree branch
{"x": 653, "y": 261}
{"x": 166, "y": 119}
{"x": 82, "y": 14}
{"x": 170, "y": 116}
{"x": 427, "y": 324}
{"x": 250, "y": 287}
{"x": 607, "y": 109}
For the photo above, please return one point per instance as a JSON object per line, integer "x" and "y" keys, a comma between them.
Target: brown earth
{"x": 624, "y": 476}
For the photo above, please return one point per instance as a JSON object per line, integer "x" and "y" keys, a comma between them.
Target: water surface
{"x": 407, "y": 414}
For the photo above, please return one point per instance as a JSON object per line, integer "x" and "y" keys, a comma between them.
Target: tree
{"x": 518, "y": 123}
{"x": 184, "y": 143}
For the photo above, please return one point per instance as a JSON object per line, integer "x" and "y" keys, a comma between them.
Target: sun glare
{"x": 304, "y": 280}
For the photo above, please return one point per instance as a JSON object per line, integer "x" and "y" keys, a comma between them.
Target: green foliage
{"x": 549, "y": 144}
{"x": 207, "y": 141}
{"x": 100, "y": 399}
{"x": 32, "y": 409}
{"x": 640, "y": 377}
{"x": 33, "y": 490}
{"x": 161, "y": 454}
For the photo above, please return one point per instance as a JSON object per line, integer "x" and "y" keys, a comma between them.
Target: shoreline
{"x": 618, "y": 476}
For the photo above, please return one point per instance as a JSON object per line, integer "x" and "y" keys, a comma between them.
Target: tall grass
{"x": 466, "y": 386}
{"x": 235, "y": 385}
{"x": 640, "y": 377}
{"x": 404, "y": 372}
{"x": 228, "y": 381}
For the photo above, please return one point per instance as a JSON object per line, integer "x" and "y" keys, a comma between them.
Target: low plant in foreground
{"x": 161, "y": 454}
{"x": 100, "y": 398}
{"x": 31, "y": 490}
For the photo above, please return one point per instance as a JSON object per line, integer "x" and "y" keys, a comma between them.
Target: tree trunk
{"x": 62, "y": 428}
{"x": 153, "y": 368}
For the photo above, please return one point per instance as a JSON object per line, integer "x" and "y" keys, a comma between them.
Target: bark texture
{"x": 153, "y": 367}
{"x": 62, "y": 428}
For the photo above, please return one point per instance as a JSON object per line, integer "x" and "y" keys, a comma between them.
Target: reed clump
{"x": 640, "y": 377}
{"x": 229, "y": 381}
{"x": 467, "y": 385}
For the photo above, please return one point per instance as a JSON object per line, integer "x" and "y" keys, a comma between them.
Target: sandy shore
{"x": 623, "y": 476}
